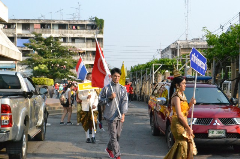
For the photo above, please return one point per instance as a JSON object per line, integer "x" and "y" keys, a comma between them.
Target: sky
{"x": 135, "y": 30}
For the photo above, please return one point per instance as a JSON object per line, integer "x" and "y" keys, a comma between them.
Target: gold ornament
{"x": 177, "y": 89}
{"x": 176, "y": 73}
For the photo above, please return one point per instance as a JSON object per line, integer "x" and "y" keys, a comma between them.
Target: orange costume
{"x": 184, "y": 146}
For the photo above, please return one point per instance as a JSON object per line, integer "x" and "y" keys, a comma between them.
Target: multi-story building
{"x": 79, "y": 34}
{"x": 181, "y": 47}
{"x": 8, "y": 51}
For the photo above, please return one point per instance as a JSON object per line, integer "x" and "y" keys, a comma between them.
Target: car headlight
{"x": 193, "y": 121}
{"x": 237, "y": 120}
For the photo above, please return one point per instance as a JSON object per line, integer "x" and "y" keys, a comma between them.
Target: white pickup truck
{"x": 22, "y": 113}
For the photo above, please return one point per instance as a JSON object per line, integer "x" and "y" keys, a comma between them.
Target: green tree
{"x": 100, "y": 24}
{"x": 224, "y": 49}
{"x": 167, "y": 65}
{"x": 51, "y": 60}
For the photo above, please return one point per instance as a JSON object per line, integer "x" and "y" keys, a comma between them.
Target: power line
{"x": 222, "y": 27}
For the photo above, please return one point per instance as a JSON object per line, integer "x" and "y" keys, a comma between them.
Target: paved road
{"x": 68, "y": 142}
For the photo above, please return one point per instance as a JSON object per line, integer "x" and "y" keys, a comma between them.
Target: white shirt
{"x": 86, "y": 103}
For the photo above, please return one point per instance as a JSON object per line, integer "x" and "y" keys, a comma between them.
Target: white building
{"x": 181, "y": 47}
{"x": 8, "y": 51}
{"x": 79, "y": 34}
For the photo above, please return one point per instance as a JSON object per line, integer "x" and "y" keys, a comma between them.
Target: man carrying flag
{"x": 113, "y": 96}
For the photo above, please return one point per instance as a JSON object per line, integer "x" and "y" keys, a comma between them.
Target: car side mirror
{"x": 161, "y": 101}
{"x": 28, "y": 94}
{"x": 234, "y": 101}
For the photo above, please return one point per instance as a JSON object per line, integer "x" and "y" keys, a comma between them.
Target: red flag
{"x": 100, "y": 72}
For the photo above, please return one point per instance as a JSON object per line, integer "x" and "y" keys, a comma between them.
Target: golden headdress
{"x": 176, "y": 73}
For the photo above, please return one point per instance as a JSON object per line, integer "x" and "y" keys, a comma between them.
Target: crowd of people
{"x": 114, "y": 98}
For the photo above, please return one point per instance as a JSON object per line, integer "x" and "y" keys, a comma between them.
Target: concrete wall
{"x": 3, "y": 13}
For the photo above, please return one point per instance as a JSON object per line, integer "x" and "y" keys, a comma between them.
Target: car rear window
{"x": 9, "y": 82}
{"x": 211, "y": 95}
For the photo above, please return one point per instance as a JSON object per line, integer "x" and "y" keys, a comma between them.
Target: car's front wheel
{"x": 41, "y": 135}
{"x": 155, "y": 131}
{"x": 236, "y": 148}
{"x": 169, "y": 137}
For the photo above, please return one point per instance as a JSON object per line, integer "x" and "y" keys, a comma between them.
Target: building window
{"x": 9, "y": 26}
{"x": 25, "y": 26}
{"x": 45, "y": 26}
{"x": 25, "y": 53}
{"x": 11, "y": 39}
{"x": 62, "y": 26}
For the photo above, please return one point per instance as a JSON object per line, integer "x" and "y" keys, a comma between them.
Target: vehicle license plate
{"x": 216, "y": 133}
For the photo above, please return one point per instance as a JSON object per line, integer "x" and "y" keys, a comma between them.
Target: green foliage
{"x": 43, "y": 81}
{"x": 51, "y": 60}
{"x": 49, "y": 47}
{"x": 167, "y": 65}
{"x": 100, "y": 24}
{"x": 223, "y": 48}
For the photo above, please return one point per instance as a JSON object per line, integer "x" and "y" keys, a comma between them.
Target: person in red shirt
{"x": 127, "y": 85}
{"x": 130, "y": 93}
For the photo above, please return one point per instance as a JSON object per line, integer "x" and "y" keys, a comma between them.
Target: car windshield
{"x": 208, "y": 95}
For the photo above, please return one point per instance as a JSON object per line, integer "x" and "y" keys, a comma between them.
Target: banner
{"x": 86, "y": 86}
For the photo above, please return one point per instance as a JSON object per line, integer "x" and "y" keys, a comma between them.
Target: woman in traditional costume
{"x": 184, "y": 146}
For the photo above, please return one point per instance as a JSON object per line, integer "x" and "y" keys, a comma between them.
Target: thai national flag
{"x": 81, "y": 69}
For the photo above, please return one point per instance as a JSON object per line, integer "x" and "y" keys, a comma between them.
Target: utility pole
{"x": 177, "y": 53}
{"x": 185, "y": 71}
{"x": 213, "y": 71}
{"x": 186, "y": 18}
{"x": 136, "y": 77}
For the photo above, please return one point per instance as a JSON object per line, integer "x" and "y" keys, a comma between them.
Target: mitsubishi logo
{"x": 216, "y": 123}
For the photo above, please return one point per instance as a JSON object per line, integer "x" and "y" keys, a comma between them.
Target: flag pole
{"x": 194, "y": 96}
{"x": 91, "y": 104}
{"x": 103, "y": 61}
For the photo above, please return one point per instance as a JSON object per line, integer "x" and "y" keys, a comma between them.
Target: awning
{"x": 7, "y": 65}
{"x": 8, "y": 51}
{"x": 21, "y": 42}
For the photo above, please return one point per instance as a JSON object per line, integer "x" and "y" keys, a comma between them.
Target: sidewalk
{"x": 54, "y": 106}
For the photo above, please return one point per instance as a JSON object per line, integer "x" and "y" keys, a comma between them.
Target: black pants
{"x": 99, "y": 113}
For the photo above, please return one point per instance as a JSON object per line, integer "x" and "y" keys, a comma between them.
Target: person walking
{"x": 130, "y": 93}
{"x": 79, "y": 108}
{"x": 127, "y": 85}
{"x": 67, "y": 108}
{"x": 184, "y": 146}
{"x": 89, "y": 103}
{"x": 114, "y": 97}
{"x": 60, "y": 90}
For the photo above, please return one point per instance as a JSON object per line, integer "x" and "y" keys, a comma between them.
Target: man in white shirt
{"x": 89, "y": 102}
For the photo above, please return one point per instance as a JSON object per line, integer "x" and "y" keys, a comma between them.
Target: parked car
{"x": 216, "y": 120}
{"x": 22, "y": 113}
